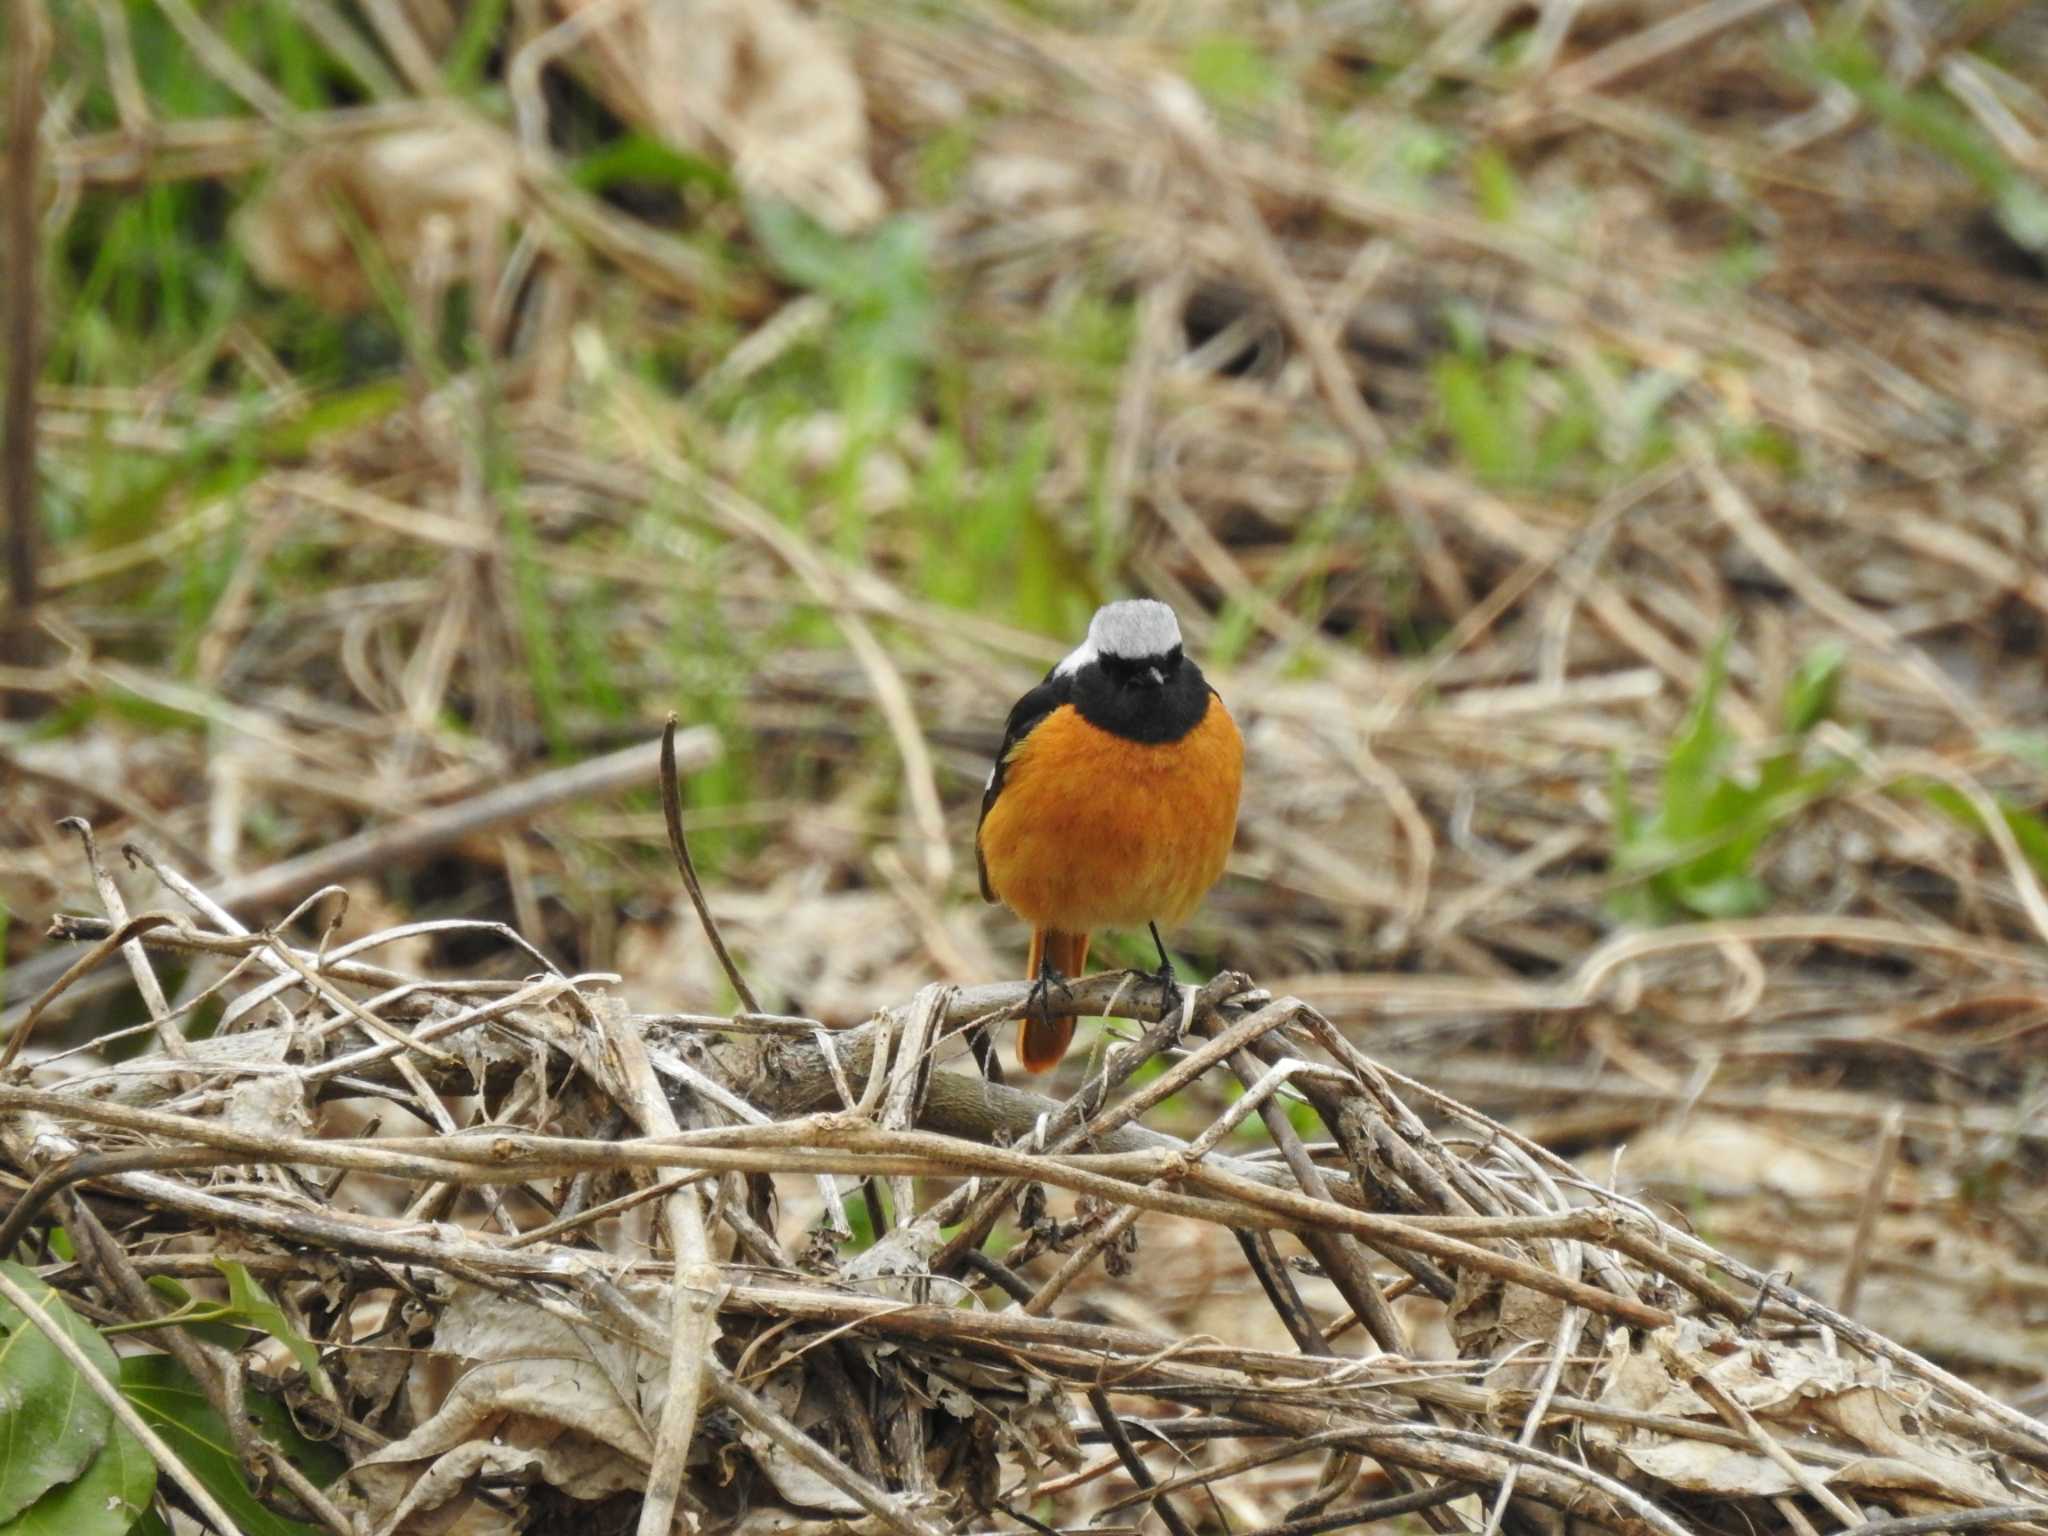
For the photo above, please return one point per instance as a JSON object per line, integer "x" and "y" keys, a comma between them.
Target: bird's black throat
{"x": 1113, "y": 696}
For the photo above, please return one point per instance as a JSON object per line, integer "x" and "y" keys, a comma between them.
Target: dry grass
{"x": 1594, "y": 1359}
{"x": 1464, "y": 381}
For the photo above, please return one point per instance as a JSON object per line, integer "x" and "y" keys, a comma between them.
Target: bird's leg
{"x": 1048, "y": 982}
{"x": 1169, "y": 989}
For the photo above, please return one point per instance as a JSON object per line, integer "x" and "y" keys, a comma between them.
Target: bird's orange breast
{"x": 1094, "y": 831}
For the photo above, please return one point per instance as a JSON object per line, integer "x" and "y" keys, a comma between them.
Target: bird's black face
{"x": 1142, "y": 673}
{"x": 1150, "y": 699}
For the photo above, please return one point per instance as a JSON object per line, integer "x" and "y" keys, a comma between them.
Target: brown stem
{"x": 679, "y": 845}
{"x": 29, "y": 46}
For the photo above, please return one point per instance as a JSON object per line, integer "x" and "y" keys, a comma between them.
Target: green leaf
{"x": 1697, "y": 753}
{"x": 2028, "y": 830}
{"x": 463, "y": 65}
{"x": 2023, "y": 214}
{"x": 107, "y": 1499}
{"x": 177, "y": 1409}
{"x": 52, "y": 1424}
{"x": 319, "y": 1460}
{"x": 1731, "y": 896}
{"x": 1627, "y": 826}
{"x": 251, "y": 1302}
{"x": 197, "y": 1317}
{"x": 1477, "y": 423}
{"x": 1694, "y": 854}
{"x": 636, "y": 157}
{"x": 1928, "y": 116}
{"x": 1229, "y": 71}
{"x": 1421, "y": 150}
{"x": 1493, "y": 185}
{"x": 2029, "y": 747}
{"x": 801, "y": 249}
{"x": 1568, "y": 435}
{"x": 1811, "y": 697}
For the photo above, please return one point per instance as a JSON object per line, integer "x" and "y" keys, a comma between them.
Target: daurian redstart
{"x": 1112, "y": 803}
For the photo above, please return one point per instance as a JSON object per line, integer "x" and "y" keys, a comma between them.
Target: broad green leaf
{"x": 107, "y": 1499}
{"x": 52, "y": 1424}
{"x": 250, "y": 1301}
{"x": 178, "y": 1410}
{"x": 316, "y": 1458}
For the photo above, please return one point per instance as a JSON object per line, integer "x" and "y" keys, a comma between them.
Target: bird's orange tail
{"x": 1042, "y": 1042}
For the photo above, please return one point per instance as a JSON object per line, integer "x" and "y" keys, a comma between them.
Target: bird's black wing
{"x": 1025, "y": 714}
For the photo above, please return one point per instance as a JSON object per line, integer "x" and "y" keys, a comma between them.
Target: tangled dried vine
{"x": 598, "y": 1248}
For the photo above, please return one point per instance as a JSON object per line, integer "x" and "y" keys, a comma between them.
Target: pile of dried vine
{"x": 612, "y": 1279}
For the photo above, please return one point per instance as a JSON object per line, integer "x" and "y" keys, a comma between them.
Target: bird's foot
{"x": 1039, "y": 997}
{"x": 1171, "y": 997}
{"x": 1170, "y": 1001}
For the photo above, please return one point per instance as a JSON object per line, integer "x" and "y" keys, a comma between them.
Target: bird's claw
{"x": 1170, "y": 998}
{"x": 1048, "y": 982}
{"x": 1170, "y": 1003}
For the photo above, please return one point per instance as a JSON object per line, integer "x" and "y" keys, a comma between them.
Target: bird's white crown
{"x": 1134, "y": 629}
{"x": 1130, "y": 630}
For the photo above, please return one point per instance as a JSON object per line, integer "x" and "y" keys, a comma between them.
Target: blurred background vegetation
{"x": 1601, "y": 449}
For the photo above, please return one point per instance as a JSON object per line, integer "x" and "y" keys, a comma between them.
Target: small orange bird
{"x": 1112, "y": 803}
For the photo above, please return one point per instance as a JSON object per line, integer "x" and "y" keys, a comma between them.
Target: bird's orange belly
{"x": 1093, "y": 831}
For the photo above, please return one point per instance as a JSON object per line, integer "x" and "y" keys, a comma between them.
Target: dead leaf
{"x": 441, "y": 1503}
{"x": 1719, "y": 1153}
{"x": 794, "y": 1482}
{"x": 755, "y": 82}
{"x": 1491, "y": 1319}
{"x": 430, "y": 197}
{"x": 900, "y": 1265}
{"x": 564, "y": 1405}
{"x": 268, "y": 1104}
{"x": 1808, "y": 1399}
{"x": 1929, "y": 1462}
{"x": 823, "y": 951}
{"x": 1699, "y": 1467}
